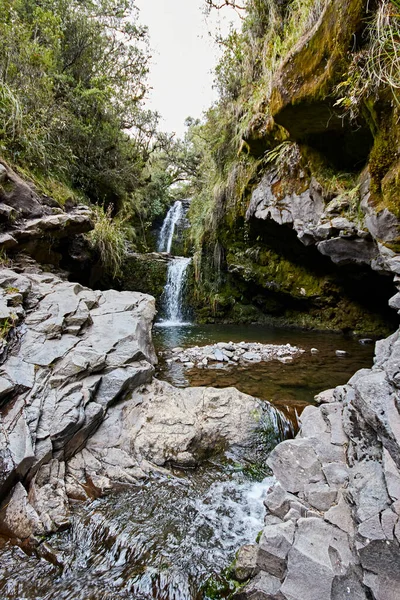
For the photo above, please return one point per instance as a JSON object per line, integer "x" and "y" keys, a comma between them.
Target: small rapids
{"x": 161, "y": 541}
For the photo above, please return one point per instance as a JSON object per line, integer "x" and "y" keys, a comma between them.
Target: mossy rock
{"x": 311, "y": 68}
{"x": 146, "y": 273}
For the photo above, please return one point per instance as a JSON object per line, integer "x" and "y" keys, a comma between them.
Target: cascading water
{"x": 173, "y": 217}
{"x": 172, "y": 298}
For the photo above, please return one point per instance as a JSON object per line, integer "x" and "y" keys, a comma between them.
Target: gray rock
{"x": 336, "y": 474}
{"x": 274, "y": 545}
{"x": 340, "y": 515}
{"x": 372, "y": 528}
{"x": 320, "y": 495}
{"x": 295, "y": 463}
{"x": 320, "y": 553}
{"x": 262, "y": 587}
{"x": 48, "y": 496}
{"x": 367, "y": 489}
{"x": 277, "y": 500}
{"x": 343, "y": 251}
{"x": 251, "y": 357}
{"x": 160, "y": 424}
{"x": 18, "y": 519}
{"x": 325, "y": 397}
{"x": 392, "y": 476}
{"x": 6, "y": 388}
{"x": 382, "y": 586}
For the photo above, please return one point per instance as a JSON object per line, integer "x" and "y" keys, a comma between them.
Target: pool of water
{"x": 289, "y": 386}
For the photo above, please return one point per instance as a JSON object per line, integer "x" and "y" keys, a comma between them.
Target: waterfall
{"x": 173, "y": 217}
{"x": 173, "y": 291}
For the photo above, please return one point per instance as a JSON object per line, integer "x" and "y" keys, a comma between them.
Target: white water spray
{"x": 173, "y": 217}
{"x": 174, "y": 291}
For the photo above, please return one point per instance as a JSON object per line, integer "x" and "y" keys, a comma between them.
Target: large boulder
{"x": 160, "y": 425}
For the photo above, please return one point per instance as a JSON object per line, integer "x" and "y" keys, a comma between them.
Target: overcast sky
{"x": 183, "y": 58}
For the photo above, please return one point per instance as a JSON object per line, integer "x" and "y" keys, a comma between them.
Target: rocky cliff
{"x": 306, "y": 212}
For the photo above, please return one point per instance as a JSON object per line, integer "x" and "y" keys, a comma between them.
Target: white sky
{"x": 183, "y": 58}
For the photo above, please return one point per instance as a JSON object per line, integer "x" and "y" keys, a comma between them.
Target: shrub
{"x": 108, "y": 239}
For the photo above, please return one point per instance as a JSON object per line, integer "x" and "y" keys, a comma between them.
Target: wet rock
{"x": 231, "y": 354}
{"x": 162, "y": 425}
{"x": 246, "y": 562}
{"x": 18, "y": 519}
{"x": 47, "y": 494}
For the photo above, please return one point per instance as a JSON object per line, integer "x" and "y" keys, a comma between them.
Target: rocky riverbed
{"x": 225, "y": 354}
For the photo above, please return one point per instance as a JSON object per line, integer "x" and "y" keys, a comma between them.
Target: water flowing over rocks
{"x": 332, "y": 528}
{"x": 225, "y": 354}
{"x": 73, "y": 352}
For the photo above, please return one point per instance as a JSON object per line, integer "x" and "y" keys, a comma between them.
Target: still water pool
{"x": 287, "y": 386}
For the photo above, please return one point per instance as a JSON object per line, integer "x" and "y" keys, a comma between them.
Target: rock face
{"x": 146, "y": 273}
{"x": 73, "y": 352}
{"x": 35, "y": 225}
{"x": 332, "y": 527}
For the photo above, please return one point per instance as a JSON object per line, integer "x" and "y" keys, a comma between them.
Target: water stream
{"x": 173, "y": 217}
{"x": 173, "y": 292}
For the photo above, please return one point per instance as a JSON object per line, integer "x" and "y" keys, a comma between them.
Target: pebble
{"x": 314, "y": 351}
{"x": 365, "y": 341}
{"x": 341, "y": 353}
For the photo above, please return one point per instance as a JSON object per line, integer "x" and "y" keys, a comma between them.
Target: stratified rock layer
{"x": 332, "y": 526}
{"x": 72, "y": 353}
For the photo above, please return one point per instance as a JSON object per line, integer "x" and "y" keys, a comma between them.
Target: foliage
{"x": 109, "y": 240}
{"x": 72, "y": 82}
{"x": 377, "y": 65}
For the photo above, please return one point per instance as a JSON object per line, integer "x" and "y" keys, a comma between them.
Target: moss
{"x": 272, "y": 271}
{"x": 310, "y": 69}
{"x": 390, "y": 186}
{"x": 381, "y": 159}
{"x": 144, "y": 273}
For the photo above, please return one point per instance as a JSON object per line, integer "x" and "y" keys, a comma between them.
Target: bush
{"x": 108, "y": 239}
